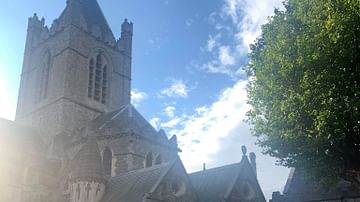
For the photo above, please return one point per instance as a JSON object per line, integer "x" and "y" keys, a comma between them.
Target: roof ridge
{"x": 216, "y": 168}
{"x": 171, "y": 165}
{"x": 141, "y": 170}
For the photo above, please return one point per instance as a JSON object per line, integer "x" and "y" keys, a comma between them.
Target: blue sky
{"x": 188, "y": 78}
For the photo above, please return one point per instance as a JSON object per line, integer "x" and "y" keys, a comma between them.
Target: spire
{"x": 86, "y": 15}
{"x": 88, "y": 161}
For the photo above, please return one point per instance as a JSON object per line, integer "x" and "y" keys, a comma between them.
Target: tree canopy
{"x": 304, "y": 88}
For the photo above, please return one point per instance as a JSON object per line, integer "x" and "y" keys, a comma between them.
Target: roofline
{"x": 212, "y": 169}
{"x": 141, "y": 169}
{"x": 153, "y": 189}
{"x": 107, "y": 23}
{"x": 289, "y": 180}
{"x": 241, "y": 165}
{"x": 156, "y": 185}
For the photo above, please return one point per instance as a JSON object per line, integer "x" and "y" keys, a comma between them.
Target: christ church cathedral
{"x": 77, "y": 138}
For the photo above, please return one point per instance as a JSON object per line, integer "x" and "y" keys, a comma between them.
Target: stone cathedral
{"x": 77, "y": 138}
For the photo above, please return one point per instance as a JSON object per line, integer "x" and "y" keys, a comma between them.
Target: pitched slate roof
{"x": 86, "y": 11}
{"x": 133, "y": 186}
{"x": 126, "y": 119}
{"x": 213, "y": 185}
{"x": 88, "y": 161}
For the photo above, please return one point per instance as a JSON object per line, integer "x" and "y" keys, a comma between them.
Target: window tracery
{"x": 98, "y": 79}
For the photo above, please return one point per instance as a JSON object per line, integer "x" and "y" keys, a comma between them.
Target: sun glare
{"x": 7, "y": 105}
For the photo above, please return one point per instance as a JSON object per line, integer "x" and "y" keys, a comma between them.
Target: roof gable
{"x": 213, "y": 184}
{"x": 175, "y": 185}
{"x": 218, "y": 184}
{"x": 246, "y": 187}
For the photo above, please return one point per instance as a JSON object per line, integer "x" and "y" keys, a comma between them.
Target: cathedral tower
{"x": 73, "y": 71}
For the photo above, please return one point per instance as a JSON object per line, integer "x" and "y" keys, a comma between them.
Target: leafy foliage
{"x": 304, "y": 88}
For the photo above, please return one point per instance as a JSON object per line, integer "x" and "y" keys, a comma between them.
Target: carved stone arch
{"x": 95, "y": 50}
{"x": 149, "y": 159}
{"x": 107, "y": 161}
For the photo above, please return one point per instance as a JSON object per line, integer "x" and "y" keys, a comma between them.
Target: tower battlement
{"x": 37, "y": 31}
{"x": 125, "y": 42}
{"x": 127, "y": 27}
{"x": 34, "y": 21}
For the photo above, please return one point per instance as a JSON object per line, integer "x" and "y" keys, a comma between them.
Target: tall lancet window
{"x": 98, "y": 79}
{"x": 91, "y": 78}
{"x": 44, "y": 76}
{"x": 148, "y": 160}
{"x": 107, "y": 161}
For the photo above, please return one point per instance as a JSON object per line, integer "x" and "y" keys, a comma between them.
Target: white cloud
{"x": 212, "y": 42}
{"x": 225, "y": 57}
{"x": 221, "y": 65}
{"x": 155, "y": 122}
{"x": 246, "y": 18}
{"x": 137, "y": 96}
{"x": 210, "y": 124}
{"x": 177, "y": 90}
{"x": 169, "y": 111}
{"x": 171, "y": 123}
{"x": 213, "y": 134}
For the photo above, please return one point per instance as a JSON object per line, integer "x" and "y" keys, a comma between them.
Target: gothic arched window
{"x": 91, "y": 78}
{"x": 107, "y": 161}
{"x": 148, "y": 160}
{"x": 44, "y": 76}
{"x": 98, "y": 79}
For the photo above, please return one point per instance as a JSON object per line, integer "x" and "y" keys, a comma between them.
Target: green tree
{"x": 304, "y": 89}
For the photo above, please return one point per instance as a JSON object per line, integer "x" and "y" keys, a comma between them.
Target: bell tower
{"x": 73, "y": 71}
